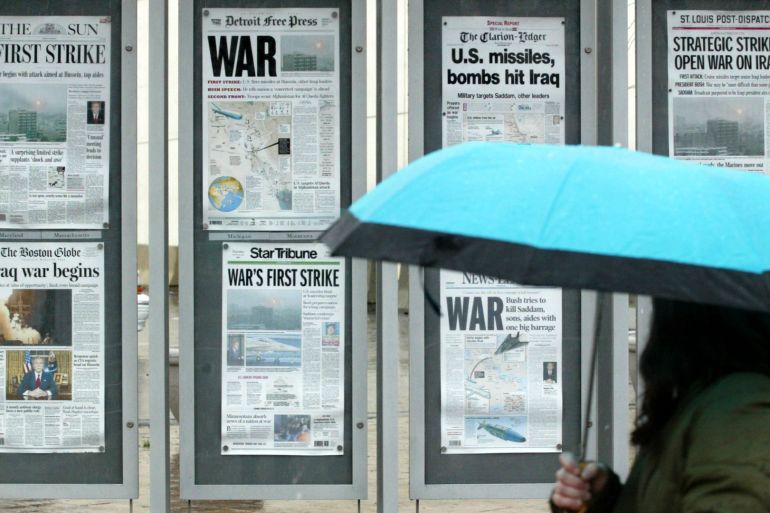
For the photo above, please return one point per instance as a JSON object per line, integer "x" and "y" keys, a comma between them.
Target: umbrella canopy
{"x": 571, "y": 216}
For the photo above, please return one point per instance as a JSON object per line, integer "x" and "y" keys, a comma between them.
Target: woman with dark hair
{"x": 703, "y": 431}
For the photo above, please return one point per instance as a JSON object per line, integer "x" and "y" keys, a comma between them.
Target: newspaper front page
{"x": 54, "y": 121}
{"x": 283, "y": 350}
{"x": 719, "y": 88}
{"x": 271, "y": 115}
{"x": 500, "y": 366}
{"x": 51, "y": 347}
{"x": 503, "y": 79}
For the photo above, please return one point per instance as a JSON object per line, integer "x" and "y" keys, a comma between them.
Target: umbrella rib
{"x": 592, "y": 373}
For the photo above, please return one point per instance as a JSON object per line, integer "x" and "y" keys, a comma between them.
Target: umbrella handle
{"x": 589, "y": 399}
{"x": 586, "y": 505}
{"x": 583, "y": 509}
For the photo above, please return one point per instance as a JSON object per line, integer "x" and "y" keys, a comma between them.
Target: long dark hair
{"x": 690, "y": 347}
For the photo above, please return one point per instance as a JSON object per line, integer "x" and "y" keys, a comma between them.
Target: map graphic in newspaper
{"x": 250, "y": 142}
{"x": 528, "y": 123}
{"x": 525, "y": 128}
{"x": 226, "y": 193}
{"x": 496, "y": 382}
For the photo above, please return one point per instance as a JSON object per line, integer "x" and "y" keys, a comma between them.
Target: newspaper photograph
{"x": 54, "y": 122}
{"x": 500, "y": 366}
{"x": 283, "y": 350}
{"x": 503, "y": 79}
{"x": 52, "y": 347}
{"x": 719, "y": 88}
{"x": 271, "y": 116}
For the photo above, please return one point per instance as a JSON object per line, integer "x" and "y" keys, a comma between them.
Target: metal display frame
{"x": 388, "y": 343}
{"x": 189, "y": 488}
{"x": 612, "y": 401}
{"x": 129, "y": 488}
{"x": 160, "y": 456}
{"x": 611, "y": 394}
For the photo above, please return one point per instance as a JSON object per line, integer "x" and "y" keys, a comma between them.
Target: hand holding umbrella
{"x": 577, "y": 484}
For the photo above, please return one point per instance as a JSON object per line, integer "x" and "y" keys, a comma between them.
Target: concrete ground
{"x": 142, "y": 503}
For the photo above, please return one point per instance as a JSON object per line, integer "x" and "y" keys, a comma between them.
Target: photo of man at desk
{"x": 38, "y": 375}
{"x": 37, "y": 383}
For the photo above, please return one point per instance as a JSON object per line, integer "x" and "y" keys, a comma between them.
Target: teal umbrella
{"x": 600, "y": 218}
{"x": 579, "y": 217}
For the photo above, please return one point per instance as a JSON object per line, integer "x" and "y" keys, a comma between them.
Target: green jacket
{"x": 714, "y": 459}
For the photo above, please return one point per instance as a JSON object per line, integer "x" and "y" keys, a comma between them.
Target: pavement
{"x": 178, "y": 505}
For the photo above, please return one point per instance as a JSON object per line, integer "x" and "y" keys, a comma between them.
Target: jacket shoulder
{"x": 727, "y": 453}
{"x": 738, "y": 405}
{"x": 733, "y": 392}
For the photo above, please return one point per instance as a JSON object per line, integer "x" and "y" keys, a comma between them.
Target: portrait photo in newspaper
{"x": 36, "y": 375}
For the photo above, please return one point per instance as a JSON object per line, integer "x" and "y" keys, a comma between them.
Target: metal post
{"x": 588, "y": 73}
{"x": 643, "y": 322}
{"x": 158, "y": 158}
{"x": 612, "y": 393}
{"x": 387, "y": 388}
{"x": 643, "y": 143}
{"x": 387, "y": 279}
{"x": 186, "y": 248}
{"x": 620, "y": 72}
{"x": 588, "y": 136}
{"x": 612, "y": 377}
{"x": 416, "y": 123}
{"x": 643, "y": 22}
{"x": 619, "y": 304}
{"x": 130, "y": 364}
